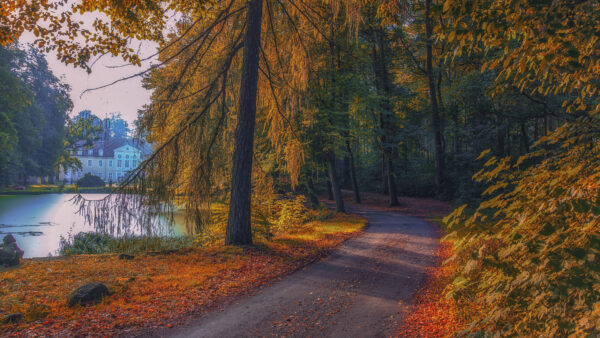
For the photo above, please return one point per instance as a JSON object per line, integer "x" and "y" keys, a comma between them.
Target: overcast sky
{"x": 125, "y": 97}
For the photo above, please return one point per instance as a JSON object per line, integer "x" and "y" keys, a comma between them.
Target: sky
{"x": 125, "y": 97}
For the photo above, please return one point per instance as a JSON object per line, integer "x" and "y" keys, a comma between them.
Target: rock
{"x": 126, "y": 256}
{"x": 10, "y": 253}
{"x": 87, "y": 294}
{"x": 9, "y": 239}
{"x": 12, "y": 318}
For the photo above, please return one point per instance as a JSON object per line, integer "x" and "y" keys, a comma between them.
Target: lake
{"x": 38, "y": 221}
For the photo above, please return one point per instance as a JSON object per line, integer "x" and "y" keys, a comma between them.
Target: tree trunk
{"x": 455, "y": 145}
{"x": 239, "y": 231}
{"x": 392, "y": 193}
{"x": 500, "y": 135}
{"x": 382, "y": 83}
{"x": 337, "y": 192}
{"x": 314, "y": 200}
{"x": 524, "y": 139}
{"x": 329, "y": 189}
{"x": 353, "y": 174}
{"x": 346, "y": 175}
{"x": 333, "y": 177}
{"x": 384, "y": 184}
{"x": 435, "y": 113}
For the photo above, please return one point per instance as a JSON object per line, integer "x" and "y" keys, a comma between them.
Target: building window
{"x": 99, "y": 163}
{"x": 79, "y": 152}
{"x": 119, "y": 156}
{"x": 135, "y": 163}
{"x": 101, "y": 152}
{"x": 89, "y": 163}
{"x": 100, "y": 175}
{"x": 127, "y": 157}
{"x": 110, "y": 163}
{"x": 90, "y": 152}
{"x": 126, "y": 163}
{"x": 119, "y": 164}
{"x": 110, "y": 176}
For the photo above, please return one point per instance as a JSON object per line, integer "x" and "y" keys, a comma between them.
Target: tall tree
{"x": 238, "y": 225}
{"x": 433, "y": 97}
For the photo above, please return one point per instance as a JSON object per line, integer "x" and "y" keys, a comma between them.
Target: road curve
{"x": 361, "y": 290}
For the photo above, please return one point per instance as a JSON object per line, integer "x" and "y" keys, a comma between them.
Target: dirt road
{"x": 361, "y": 290}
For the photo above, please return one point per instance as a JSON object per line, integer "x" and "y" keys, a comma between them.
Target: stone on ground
{"x": 88, "y": 294}
{"x": 12, "y": 318}
{"x": 10, "y": 253}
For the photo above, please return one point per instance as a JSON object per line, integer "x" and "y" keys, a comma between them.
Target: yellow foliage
{"x": 528, "y": 252}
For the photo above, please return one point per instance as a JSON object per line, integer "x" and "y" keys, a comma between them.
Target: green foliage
{"x": 33, "y": 111}
{"x": 89, "y": 180}
{"x": 97, "y": 243}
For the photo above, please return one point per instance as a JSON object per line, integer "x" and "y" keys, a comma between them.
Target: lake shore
{"x": 55, "y": 189}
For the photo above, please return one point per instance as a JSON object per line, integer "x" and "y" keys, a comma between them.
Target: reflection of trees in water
{"x": 121, "y": 214}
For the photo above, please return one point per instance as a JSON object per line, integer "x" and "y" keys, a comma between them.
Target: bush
{"x": 96, "y": 243}
{"x": 90, "y": 180}
{"x": 529, "y": 253}
{"x": 292, "y": 213}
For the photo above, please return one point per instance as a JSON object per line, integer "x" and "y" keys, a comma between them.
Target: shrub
{"x": 97, "y": 243}
{"x": 529, "y": 253}
{"x": 292, "y": 213}
{"x": 90, "y": 180}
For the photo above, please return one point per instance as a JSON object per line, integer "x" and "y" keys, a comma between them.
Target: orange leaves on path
{"x": 156, "y": 290}
{"x": 432, "y": 315}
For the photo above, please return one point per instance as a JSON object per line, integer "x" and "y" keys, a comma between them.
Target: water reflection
{"x": 38, "y": 221}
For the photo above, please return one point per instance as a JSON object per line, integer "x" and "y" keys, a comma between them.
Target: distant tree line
{"x": 33, "y": 117}
{"x": 113, "y": 125}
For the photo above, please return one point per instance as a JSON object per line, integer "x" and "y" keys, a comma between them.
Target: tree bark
{"x": 386, "y": 123}
{"x": 337, "y": 192}
{"x": 239, "y": 230}
{"x": 524, "y": 139}
{"x": 435, "y": 113}
{"x": 500, "y": 135}
{"x": 314, "y": 200}
{"x": 353, "y": 174}
{"x": 333, "y": 177}
{"x": 329, "y": 189}
{"x": 384, "y": 185}
{"x": 392, "y": 193}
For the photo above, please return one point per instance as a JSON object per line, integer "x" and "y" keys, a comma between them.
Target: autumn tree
{"x": 526, "y": 251}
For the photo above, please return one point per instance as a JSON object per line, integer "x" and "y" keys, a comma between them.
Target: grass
{"x": 95, "y": 243}
{"x": 157, "y": 290}
{"x": 37, "y": 189}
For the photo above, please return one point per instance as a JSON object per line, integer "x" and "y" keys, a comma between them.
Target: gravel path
{"x": 361, "y": 290}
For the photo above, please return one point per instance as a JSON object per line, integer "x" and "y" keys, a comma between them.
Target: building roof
{"x": 109, "y": 145}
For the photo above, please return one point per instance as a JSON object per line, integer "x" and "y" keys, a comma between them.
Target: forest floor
{"x": 364, "y": 289}
{"x": 159, "y": 290}
{"x": 427, "y": 208}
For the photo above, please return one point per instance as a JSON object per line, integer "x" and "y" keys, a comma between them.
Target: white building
{"x": 110, "y": 160}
